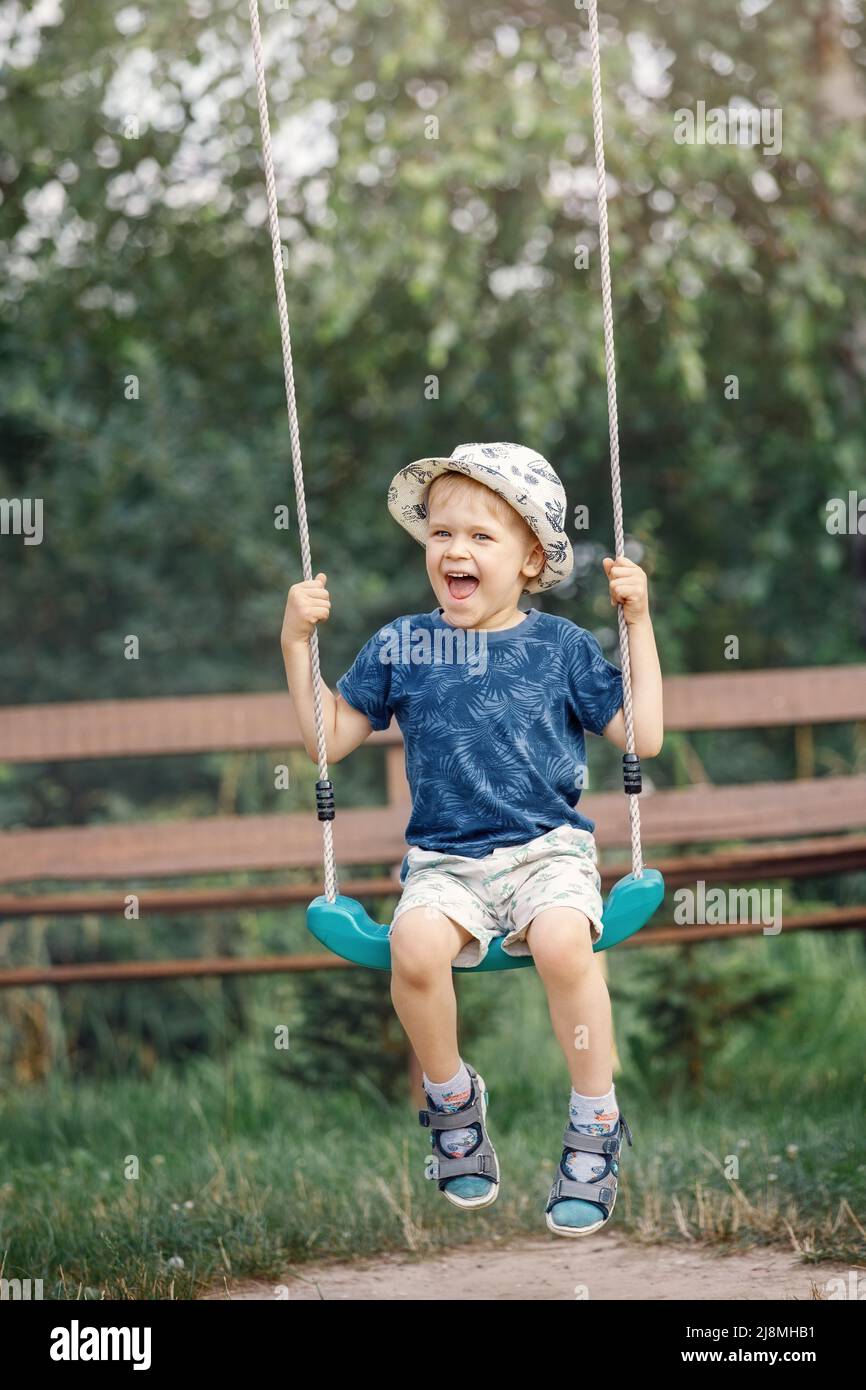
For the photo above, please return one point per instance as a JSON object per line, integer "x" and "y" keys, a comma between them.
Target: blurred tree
{"x": 137, "y": 260}
{"x": 689, "y": 1002}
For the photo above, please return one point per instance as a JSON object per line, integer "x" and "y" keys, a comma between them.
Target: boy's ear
{"x": 536, "y": 559}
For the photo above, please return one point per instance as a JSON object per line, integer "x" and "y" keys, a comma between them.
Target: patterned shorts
{"x": 500, "y": 894}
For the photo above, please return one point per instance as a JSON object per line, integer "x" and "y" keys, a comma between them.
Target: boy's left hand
{"x": 628, "y": 586}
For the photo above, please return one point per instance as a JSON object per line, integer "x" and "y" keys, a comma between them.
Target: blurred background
{"x": 435, "y": 178}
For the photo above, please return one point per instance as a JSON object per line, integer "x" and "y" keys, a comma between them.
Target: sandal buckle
{"x": 431, "y": 1167}
{"x": 424, "y": 1118}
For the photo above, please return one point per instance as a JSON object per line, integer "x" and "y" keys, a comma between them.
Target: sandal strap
{"x": 598, "y": 1143}
{"x": 455, "y": 1119}
{"x": 590, "y": 1143}
{"x": 472, "y": 1113}
{"x": 479, "y": 1164}
{"x": 602, "y": 1192}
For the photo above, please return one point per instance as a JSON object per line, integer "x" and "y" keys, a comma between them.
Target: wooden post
{"x": 804, "y": 751}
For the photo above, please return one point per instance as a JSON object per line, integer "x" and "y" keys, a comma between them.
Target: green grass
{"x": 242, "y": 1168}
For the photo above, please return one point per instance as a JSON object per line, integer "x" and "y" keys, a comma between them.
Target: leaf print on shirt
{"x": 463, "y": 814}
{"x": 516, "y": 674}
{"x": 442, "y": 704}
{"x": 491, "y": 756}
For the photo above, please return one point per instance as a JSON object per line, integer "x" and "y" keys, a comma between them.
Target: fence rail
{"x": 835, "y": 919}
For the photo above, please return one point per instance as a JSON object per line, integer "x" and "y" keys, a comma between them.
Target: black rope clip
{"x": 326, "y": 809}
{"x": 631, "y": 780}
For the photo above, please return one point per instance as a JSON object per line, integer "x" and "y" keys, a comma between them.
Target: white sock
{"x": 590, "y": 1115}
{"x": 449, "y": 1096}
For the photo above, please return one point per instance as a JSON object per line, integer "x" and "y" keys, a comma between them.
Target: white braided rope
{"x": 303, "y": 530}
{"x": 613, "y": 422}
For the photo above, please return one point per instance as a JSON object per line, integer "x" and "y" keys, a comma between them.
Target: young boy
{"x": 493, "y": 702}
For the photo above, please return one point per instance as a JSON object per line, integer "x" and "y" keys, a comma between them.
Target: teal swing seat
{"x": 346, "y": 928}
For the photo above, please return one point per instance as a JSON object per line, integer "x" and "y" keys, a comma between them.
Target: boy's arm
{"x": 345, "y": 727}
{"x": 646, "y": 696}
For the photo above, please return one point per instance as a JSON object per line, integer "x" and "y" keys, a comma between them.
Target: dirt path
{"x": 541, "y": 1269}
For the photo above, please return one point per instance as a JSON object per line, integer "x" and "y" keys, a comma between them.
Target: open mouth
{"x": 461, "y": 586}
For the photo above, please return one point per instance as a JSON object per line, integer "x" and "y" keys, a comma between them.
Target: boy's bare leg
{"x": 424, "y": 943}
{"x": 561, "y": 944}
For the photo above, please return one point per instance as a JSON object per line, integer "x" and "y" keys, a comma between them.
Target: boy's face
{"x": 465, "y": 536}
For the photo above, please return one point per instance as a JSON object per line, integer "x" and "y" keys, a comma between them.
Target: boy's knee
{"x": 423, "y": 941}
{"x": 560, "y": 940}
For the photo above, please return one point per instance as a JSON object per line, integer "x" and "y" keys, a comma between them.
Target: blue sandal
{"x": 601, "y": 1190}
{"x": 477, "y": 1173}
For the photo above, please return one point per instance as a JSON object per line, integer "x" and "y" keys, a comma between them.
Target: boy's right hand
{"x": 307, "y": 604}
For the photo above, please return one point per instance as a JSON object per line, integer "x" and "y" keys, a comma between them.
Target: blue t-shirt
{"x": 492, "y": 723}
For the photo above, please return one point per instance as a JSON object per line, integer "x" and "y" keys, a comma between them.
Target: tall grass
{"x": 245, "y": 1165}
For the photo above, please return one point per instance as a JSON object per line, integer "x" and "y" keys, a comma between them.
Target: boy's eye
{"x": 482, "y": 534}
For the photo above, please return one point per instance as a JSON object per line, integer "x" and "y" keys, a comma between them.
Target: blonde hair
{"x": 450, "y": 484}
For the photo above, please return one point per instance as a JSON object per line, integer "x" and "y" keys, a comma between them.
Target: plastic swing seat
{"x": 346, "y": 928}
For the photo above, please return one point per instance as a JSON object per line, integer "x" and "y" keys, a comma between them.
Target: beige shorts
{"x": 500, "y": 894}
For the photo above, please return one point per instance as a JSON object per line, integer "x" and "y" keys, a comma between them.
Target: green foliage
{"x": 691, "y": 1000}
{"x": 159, "y": 511}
